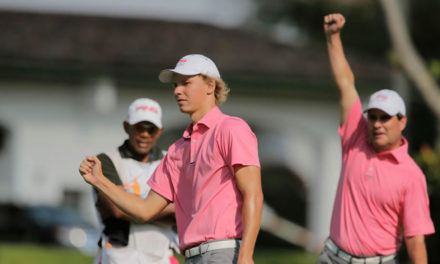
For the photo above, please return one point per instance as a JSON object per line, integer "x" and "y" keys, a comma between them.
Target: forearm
{"x": 248, "y": 180}
{"x": 107, "y": 209}
{"x": 166, "y": 217}
{"x": 133, "y": 206}
{"x": 142, "y": 210}
{"x": 342, "y": 74}
{"x": 252, "y": 208}
{"x": 416, "y": 249}
{"x": 341, "y": 70}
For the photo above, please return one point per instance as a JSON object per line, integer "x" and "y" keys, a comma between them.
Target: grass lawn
{"x": 36, "y": 254}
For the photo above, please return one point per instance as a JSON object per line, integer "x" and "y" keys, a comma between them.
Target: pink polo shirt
{"x": 378, "y": 193}
{"x": 197, "y": 175}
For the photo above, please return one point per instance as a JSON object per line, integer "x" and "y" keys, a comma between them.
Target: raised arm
{"x": 248, "y": 180}
{"x": 138, "y": 209}
{"x": 341, "y": 70}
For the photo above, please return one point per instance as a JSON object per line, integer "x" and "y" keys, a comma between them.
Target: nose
{"x": 143, "y": 133}
{"x": 177, "y": 90}
{"x": 377, "y": 123}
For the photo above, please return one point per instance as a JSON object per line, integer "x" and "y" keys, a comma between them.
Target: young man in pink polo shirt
{"x": 381, "y": 193}
{"x": 211, "y": 174}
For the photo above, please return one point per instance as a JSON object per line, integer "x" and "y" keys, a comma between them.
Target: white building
{"x": 67, "y": 81}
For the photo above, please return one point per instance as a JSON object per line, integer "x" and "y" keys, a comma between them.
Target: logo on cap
{"x": 147, "y": 108}
{"x": 382, "y": 97}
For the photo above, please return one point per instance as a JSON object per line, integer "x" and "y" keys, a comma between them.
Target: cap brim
{"x": 166, "y": 76}
{"x": 387, "y": 111}
{"x": 152, "y": 120}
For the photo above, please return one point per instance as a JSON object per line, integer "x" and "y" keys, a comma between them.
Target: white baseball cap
{"x": 192, "y": 64}
{"x": 388, "y": 101}
{"x": 144, "y": 109}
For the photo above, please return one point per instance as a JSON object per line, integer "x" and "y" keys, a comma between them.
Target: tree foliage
{"x": 429, "y": 161}
{"x": 365, "y": 30}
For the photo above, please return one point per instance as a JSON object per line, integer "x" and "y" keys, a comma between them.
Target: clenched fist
{"x": 333, "y": 23}
{"x": 91, "y": 170}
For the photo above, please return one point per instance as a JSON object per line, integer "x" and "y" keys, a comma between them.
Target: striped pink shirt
{"x": 197, "y": 175}
{"x": 378, "y": 193}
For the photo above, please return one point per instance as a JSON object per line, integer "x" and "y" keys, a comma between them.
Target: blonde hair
{"x": 221, "y": 89}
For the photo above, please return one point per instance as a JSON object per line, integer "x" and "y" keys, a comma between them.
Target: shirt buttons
{"x": 194, "y": 140}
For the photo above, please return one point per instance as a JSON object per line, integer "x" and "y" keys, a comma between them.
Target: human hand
{"x": 333, "y": 23}
{"x": 91, "y": 170}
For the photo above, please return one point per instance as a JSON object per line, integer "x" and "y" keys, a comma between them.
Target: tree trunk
{"x": 411, "y": 61}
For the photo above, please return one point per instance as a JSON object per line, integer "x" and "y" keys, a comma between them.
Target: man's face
{"x": 191, "y": 92}
{"x": 142, "y": 136}
{"x": 385, "y": 131}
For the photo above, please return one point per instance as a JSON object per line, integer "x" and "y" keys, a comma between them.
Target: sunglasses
{"x": 145, "y": 127}
{"x": 381, "y": 118}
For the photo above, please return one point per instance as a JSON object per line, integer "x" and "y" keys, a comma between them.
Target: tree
{"x": 409, "y": 58}
{"x": 367, "y": 33}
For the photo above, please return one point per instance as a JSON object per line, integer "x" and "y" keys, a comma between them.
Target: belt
{"x": 356, "y": 259}
{"x": 212, "y": 245}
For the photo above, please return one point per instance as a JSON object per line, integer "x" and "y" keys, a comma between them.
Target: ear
{"x": 211, "y": 86}
{"x": 159, "y": 132}
{"x": 402, "y": 123}
{"x": 126, "y": 127}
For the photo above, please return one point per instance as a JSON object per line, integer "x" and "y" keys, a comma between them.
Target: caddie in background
{"x": 130, "y": 167}
{"x": 381, "y": 195}
{"x": 211, "y": 174}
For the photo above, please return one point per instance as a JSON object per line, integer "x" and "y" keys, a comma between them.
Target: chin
{"x": 377, "y": 145}
{"x": 184, "y": 110}
{"x": 142, "y": 151}
{"x": 380, "y": 147}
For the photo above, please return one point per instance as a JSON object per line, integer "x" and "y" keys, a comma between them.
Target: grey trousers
{"x": 219, "y": 256}
{"x": 327, "y": 257}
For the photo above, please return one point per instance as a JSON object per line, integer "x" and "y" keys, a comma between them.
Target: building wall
{"x": 54, "y": 126}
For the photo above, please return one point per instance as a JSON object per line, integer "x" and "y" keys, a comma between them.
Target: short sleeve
{"x": 354, "y": 127}
{"x": 237, "y": 143}
{"x": 416, "y": 215}
{"x": 161, "y": 181}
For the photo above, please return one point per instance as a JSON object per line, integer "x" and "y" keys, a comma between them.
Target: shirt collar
{"x": 399, "y": 153}
{"x": 208, "y": 120}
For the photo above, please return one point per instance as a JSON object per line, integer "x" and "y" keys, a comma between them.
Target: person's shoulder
{"x": 412, "y": 170}
{"x": 233, "y": 127}
{"x": 175, "y": 144}
{"x": 231, "y": 123}
{"x": 173, "y": 149}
